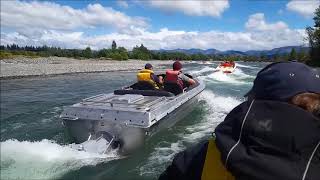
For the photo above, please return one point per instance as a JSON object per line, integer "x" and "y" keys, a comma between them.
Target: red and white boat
{"x": 227, "y": 67}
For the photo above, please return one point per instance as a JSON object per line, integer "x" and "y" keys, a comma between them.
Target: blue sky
{"x": 224, "y": 25}
{"x": 233, "y": 19}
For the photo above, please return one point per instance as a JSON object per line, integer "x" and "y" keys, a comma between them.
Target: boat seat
{"x": 144, "y": 92}
{"x": 143, "y": 85}
{"x": 173, "y": 88}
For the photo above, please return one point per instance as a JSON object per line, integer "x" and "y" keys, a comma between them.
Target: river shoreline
{"x": 23, "y": 67}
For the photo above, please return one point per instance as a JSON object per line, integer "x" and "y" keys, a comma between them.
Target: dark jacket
{"x": 277, "y": 141}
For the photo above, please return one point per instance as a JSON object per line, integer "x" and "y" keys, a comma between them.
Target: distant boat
{"x": 227, "y": 67}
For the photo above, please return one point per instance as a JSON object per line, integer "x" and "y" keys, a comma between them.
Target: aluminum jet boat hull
{"x": 126, "y": 118}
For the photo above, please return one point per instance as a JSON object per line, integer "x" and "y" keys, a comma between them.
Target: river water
{"x": 34, "y": 144}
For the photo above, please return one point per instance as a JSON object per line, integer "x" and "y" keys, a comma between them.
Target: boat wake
{"x": 211, "y": 74}
{"x": 203, "y": 71}
{"x": 215, "y": 110}
{"x": 238, "y": 77}
{"x": 217, "y": 107}
{"x": 44, "y": 159}
{"x": 246, "y": 66}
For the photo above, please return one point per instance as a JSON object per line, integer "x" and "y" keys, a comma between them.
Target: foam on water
{"x": 203, "y": 70}
{"x": 216, "y": 108}
{"x": 55, "y": 112}
{"x": 238, "y": 72}
{"x": 162, "y": 154}
{"x": 245, "y": 66}
{"x": 205, "y": 62}
{"x": 44, "y": 159}
{"x": 17, "y": 125}
{"x": 238, "y": 77}
{"x": 210, "y": 74}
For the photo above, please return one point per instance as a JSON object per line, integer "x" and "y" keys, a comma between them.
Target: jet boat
{"x": 227, "y": 67}
{"x": 123, "y": 119}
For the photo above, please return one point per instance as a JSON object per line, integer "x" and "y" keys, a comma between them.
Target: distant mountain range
{"x": 272, "y": 52}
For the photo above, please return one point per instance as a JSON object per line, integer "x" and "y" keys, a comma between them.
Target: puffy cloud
{"x": 49, "y": 15}
{"x": 192, "y": 7}
{"x": 305, "y": 8}
{"x": 50, "y": 38}
{"x": 257, "y": 22}
{"x": 168, "y": 39}
{"x": 45, "y": 23}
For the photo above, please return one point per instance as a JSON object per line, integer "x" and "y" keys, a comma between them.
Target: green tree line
{"x": 314, "y": 39}
{"x": 140, "y": 52}
{"x": 117, "y": 53}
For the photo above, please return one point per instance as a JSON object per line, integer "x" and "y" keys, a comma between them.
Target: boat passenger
{"x": 228, "y": 64}
{"x": 147, "y": 75}
{"x": 175, "y": 80}
{"x": 225, "y": 63}
{"x": 232, "y": 63}
{"x": 275, "y": 134}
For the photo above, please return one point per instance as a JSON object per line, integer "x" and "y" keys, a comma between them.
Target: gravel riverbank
{"x": 21, "y": 67}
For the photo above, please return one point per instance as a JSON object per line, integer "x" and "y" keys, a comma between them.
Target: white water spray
{"x": 44, "y": 159}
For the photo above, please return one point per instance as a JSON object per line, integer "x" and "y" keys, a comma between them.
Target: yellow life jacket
{"x": 145, "y": 75}
{"x": 213, "y": 168}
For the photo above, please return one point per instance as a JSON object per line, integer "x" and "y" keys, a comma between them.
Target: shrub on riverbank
{"x": 12, "y": 54}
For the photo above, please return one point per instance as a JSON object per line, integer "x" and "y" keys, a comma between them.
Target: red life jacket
{"x": 226, "y": 64}
{"x": 172, "y": 77}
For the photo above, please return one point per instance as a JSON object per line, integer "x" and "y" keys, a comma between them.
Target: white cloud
{"x": 47, "y": 15}
{"x": 45, "y": 23}
{"x": 50, "y": 38}
{"x": 305, "y": 8}
{"x": 122, "y": 3}
{"x": 192, "y": 7}
{"x": 257, "y": 22}
{"x": 168, "y": 39}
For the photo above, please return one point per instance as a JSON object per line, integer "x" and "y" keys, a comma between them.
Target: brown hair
{"x": 308, "y": 101}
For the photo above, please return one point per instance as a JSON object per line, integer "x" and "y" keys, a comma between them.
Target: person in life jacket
{"x": 228, "y": 64}
{"x": 274, "y": 134}
{"x": 225, "y": 64}
{"x": 147, "y": 75}
{"x": 232, "y": 63}
{"x": 175, "y": 80}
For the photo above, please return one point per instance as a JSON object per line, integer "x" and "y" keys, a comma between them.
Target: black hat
{"x": 148, "y": 66}
{"x": 177, "y": 66}
{"x": 281, "y": 81}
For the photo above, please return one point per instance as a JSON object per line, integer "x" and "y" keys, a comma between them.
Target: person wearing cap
{"x": 147, "y": 75}
{"x": 175, "y": 80}
{"x": 274, "y": 134}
